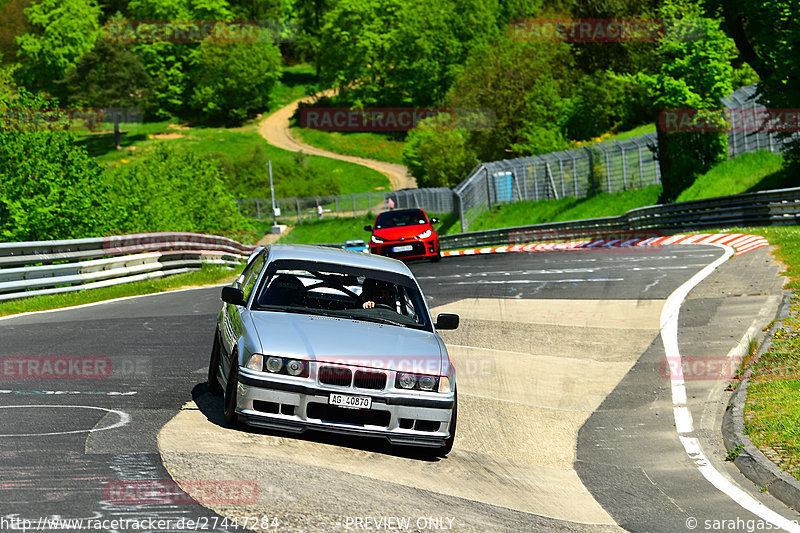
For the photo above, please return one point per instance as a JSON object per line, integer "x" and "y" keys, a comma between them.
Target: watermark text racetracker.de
{"x": 58, "y": 367}
{"x": 394, "y": 118}
{"x": 198, "y": 523}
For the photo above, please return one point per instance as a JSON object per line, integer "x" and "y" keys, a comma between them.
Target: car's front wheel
{"x": 231, "y": 418}
{"x": 213, "y": 368}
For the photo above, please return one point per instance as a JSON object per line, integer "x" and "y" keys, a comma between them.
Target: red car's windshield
{"x": 393, "y": 219}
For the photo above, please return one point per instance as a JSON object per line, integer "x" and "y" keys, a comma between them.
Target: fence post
{"x": 258, "y": 209}
{"x": 336, "y": 203}
{"x": 608, "y": 170}
{"x": 460, "y": 205}
{"x": 624, "y": 166}
{"x": 552, "y": 182}
{"x": 591, "y": 170}
{"x": 535, "y": 184}
{"x": 355, "y": 211}
{"x": 297, "y": 202}
{"x": 525, "y": 182}
{"x": 488, "y": 189}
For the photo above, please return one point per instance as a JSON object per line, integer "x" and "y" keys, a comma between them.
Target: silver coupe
{"x": 325, "y": 339}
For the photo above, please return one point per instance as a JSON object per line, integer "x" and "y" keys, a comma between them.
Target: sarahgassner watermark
{"x": 731, "y": 524}
{"x": 200, "y": 523}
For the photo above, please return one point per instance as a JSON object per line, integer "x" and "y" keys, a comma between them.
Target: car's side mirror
{"x": 434, "y": 220}
{"x": 367, "y": 228}
{"x": 447, "y": 321}
{"x": 233, "y": 295}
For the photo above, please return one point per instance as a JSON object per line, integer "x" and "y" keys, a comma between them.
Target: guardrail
{"x": 50, "y": 267}
{"x": 763, "y": 208}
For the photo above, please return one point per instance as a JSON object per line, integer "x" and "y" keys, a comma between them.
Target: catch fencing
{"x": 50, "y": 267}
{"x": 299, "y": 210}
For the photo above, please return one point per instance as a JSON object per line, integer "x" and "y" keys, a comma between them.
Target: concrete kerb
{"x": 749, "y": 459}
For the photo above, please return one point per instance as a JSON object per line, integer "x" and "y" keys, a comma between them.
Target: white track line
{"x": 683, "y": 418}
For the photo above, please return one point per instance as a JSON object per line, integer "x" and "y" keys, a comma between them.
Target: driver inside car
{"x": 375, "y": 292}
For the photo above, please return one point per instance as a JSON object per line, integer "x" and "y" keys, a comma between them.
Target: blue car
{"x": 356, "y": 245}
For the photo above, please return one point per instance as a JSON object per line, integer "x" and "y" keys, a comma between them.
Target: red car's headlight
{"x": 424, "y": 235}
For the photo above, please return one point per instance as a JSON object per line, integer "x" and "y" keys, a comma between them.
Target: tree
{"x": 49, "y": 187}
{"x": 234, "y": 80}
{"x": 522, "y": 83}
{"x": 694, "y": 73}
{"x": 438, "y": 155}
{"x": 109, "y": 76}
{"x": 62, "y": 32}
{"x": 767, "y": 36}
{"x": 396, "y": 52}
{"x": 168, "y": 61}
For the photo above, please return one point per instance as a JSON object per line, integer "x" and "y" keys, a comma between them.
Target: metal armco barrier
{"x": 764, "y": 208}
{"x": 51, "y": 267}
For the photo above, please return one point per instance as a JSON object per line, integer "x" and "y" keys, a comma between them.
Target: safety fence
{"x": 763, "y": 208}
{"x": 50, "y": 267}
{"x": 435, "y": 200}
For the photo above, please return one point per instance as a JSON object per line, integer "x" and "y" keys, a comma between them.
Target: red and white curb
{"x": 741, "y": 243}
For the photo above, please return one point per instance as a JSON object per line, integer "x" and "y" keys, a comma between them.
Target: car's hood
{"x": 405, "y": 232}
{"x": 346, "y": 341}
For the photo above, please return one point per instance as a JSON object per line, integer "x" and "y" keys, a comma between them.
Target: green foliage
{"x": 438, "y": 155}
{"x": 62, "y": 31}
{"x": 523, "y": 83}
{"x": 694, "y": 71}
{"x": 600, "y": 103}
{"x": 49, "y": 187}
{"x": 171, "y": 191}
{"x": 767, "y": 36}
{"x": 234, "y": 80}
{"x": 392, "y": 52}
{"x": 108, "y": 76}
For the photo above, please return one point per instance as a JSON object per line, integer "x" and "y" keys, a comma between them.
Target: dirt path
{"x": 275, "y": 129}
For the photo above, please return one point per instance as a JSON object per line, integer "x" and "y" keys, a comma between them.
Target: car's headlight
{"x": 421, "y": 382}
{"x": 376, "y": 240}
{"x": 295, "y": 367}
{"x": 282, "y": 365}
{"x": 406, "y": 381}
{"x": 274, "y": 364}
{"x": 424, "y": 235}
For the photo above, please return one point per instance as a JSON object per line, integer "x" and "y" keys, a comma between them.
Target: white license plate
{"x": 406, "y": 248}
{"x": 351, "y": 402}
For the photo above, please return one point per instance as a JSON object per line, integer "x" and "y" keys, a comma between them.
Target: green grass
{"x": 565, "y": 209}
{"x": 296, "y": 82}
{"x": 635, "y": 132}
{"x": 209, "y": 275}
{"x": 379, "y": 146}
{"x": 746, "y": 173}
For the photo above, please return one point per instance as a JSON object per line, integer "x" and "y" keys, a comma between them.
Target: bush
{"x": 438, "y": 156}
{"x": 49, "y": 187}
{"x": 170, "y": 191}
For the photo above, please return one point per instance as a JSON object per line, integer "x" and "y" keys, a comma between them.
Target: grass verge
{"x": 749, "y": 172}
{"x": 565, "y": 209}
{"x": 382, "y": 147}
{"x": 208, "y": 275}
{"x": 772, "y": 412}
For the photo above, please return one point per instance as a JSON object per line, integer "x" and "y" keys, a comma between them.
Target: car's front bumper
{"x": 296, "y": 407}
{"x": 420, "y": 249}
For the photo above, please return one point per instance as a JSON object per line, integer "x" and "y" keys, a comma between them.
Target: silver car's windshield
{"x": 341, "y": 291}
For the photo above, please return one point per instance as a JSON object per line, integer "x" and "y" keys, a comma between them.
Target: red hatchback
{"x": 405, "y": 234}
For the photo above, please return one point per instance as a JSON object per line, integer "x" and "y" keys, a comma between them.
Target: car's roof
{"x": 305, "y": 252}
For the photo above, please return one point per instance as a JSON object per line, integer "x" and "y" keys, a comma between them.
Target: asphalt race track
{"x": 565, "y": 410}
